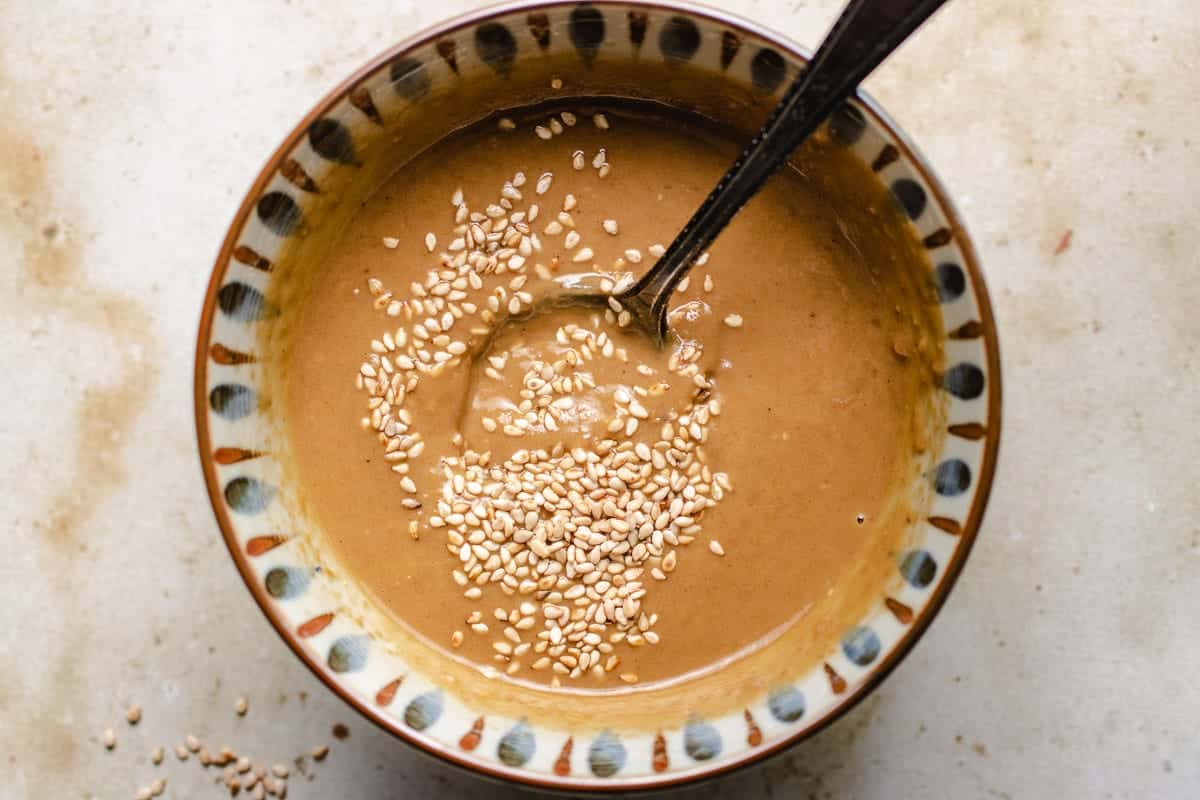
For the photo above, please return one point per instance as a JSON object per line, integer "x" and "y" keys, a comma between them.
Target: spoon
{"x": 862, "y": 37}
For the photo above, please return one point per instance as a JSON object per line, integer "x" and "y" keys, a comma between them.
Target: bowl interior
{"x": 357, "y": 137}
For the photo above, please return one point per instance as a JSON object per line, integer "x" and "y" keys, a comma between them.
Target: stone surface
{"x": 1064, "y": 663}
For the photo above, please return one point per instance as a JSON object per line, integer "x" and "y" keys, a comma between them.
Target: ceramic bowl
{"x": 409, "y": 97}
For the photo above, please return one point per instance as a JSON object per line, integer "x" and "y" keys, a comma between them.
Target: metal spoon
{"x": 862, "y": 37}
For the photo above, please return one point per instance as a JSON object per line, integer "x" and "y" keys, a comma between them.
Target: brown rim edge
{"x": 902, "y": 647}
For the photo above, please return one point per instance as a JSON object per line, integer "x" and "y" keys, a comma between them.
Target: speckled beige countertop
{"x": 1064, "y": 665}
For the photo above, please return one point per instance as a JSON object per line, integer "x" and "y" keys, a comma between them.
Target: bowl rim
{"x": 907, "y": 641}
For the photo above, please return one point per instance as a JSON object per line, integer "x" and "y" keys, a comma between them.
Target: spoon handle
{"x": 864, "y": 35}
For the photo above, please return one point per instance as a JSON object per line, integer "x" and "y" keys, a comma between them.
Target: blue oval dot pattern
{"x": 409, "y": 78}
{"x": 284, "y": 583}
{"x": 679, "y": 40}
{"x": 423, "y": 710}
{"x": 953, "y": 477}
{"x": 951, "y": 282}
{"x": 918, "y": 568}
{"x": 331, "y": 141}
{"x": 701, "y": 741}
{"x": 248, "y": 495}
{"x": 517, "y": 746}
{"x": 232, "y": 400}
{"x": 496, "y": 47}
{"x": 606, "y": 756}
{"x": 767, "y": 70}
{"x": 964, "y": 381}
{"x": 861, "y": 645}
{"x": 242, "y": 303}
{"x": 349, "y": 654}
{"x": 910, "y": 196}
{"x": 279, "y": 212}
{"x": 786, "y": 704}
{"x": 585, "y": 28}
{"x": 847, "y": 124}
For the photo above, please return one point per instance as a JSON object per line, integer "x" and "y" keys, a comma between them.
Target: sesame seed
{"x": 319, "y": 752}
{"x": 241, "y": 706}
{"x": 601, "y": 121}
{"x": 543, "y": 132}
{"x": 715, "y": 547}
{"x": 156, "y": 755}
{"x": 133, "y": 715}
{"x": 656, "y": 250}
{"x": 734, "y": 320}
{"x": 391, "y": 242}
{"x": 506, "y": 124}
{"x": 110, "y": 738}
{"x": 562, "y": 538}
{"x": 568, "y": 119}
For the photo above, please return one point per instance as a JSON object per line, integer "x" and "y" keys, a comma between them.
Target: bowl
{"x": 409, "y": 97}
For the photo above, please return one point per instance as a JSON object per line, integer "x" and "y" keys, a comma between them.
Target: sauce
{"x": 821, "y": 387}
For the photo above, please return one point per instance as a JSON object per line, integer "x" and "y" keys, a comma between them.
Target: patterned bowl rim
{"x": 897, "y": 652}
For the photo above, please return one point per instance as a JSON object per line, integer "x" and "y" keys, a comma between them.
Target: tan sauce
{"x": 820, "y": 388}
